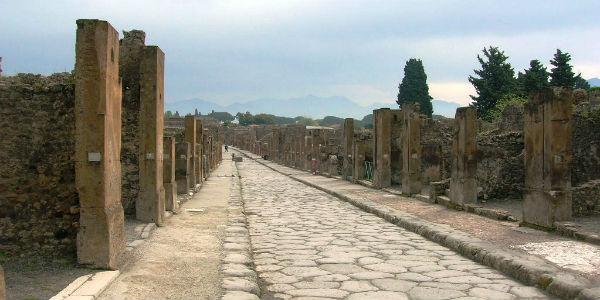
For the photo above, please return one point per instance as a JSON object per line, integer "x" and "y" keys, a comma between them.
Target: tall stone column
{"x": 463, "y": 182}
{"x": 347, "y": 140}
{"x": 190, "y": 137}
{"x": 101, "y": 236}
{"x": 150, "y": 205}
{"x": 411, "y": 150}
{"x": 169, "y": 181}
{"x": 382, "y": 147}
{"x": 548, "y": 154}
{"x": 359, "y": 159}
{"x": 200, "y": 152}
{"x": 183, "y": 167}
{"x": 308, "y": 141}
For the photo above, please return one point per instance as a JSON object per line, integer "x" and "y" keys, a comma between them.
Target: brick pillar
{"x": 169, "y": 181}
{"x": 101, "y": 236}
{"x": 347, "y": 140}
{"x": 190, "y": 137}
{"x": 463, "y": 182}
{"x": 382, "y": 147}
{"x": 548, "y": 153}
{"x": 150, "y": 205}
{"x": 411, "y": 150}
{"x": 183, "y": 167}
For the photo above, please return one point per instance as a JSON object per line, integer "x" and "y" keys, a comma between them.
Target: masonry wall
{"x": 39, "y": 205}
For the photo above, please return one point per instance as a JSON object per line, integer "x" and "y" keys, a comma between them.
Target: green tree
{"x": 262, "y": 119}
{"x": 495, "y": 79}
{"x": 305, "y": 121}
{"x": 413, "y": 88}
{"x": 581, "y": 83}
{"x": 562, "y": 74}
{"x": 504, "y": 102}
{"x": 533, "y": 79}
{"x": 168, "y": 114}
{"x": 245, "y": 118}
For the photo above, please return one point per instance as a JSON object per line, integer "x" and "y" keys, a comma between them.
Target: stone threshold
{"x": 528, "y": 269}
{"x": 573, "y": 230}
{"x": 87, "y": 287}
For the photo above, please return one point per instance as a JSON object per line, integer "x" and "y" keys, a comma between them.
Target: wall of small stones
{"x": 39, "y": 205}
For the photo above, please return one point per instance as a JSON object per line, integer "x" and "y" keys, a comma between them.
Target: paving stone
{"x": 317, "y": 285}
{"x": 237, "y": 270}
{"x": 237, "y": 258}
{"x": 304, "y": 271}
{"x": 358, "y": 286}
{"x": 387, "y": 268}
{"x": 394, "y": 285}
{"x": 431, "y": 293}
{"x": 370, "y": 275}
{"x": 332, "y": 277}
{"x": 490, "y": 294}
{"x": 342, "y": 268}
{"x": 380, "y": 295}
{"x": 527, "y": 292}
{"x": 327, "y": 293}
{"x": 240, "y": 284}
{"x": 237, "y": 295}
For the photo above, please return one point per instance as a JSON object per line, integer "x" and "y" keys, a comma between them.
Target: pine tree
{"x": 562, "y": 74}
{"x": 413, "y": 88}
{"x": 495, "y": 79}
{"x": 581, "y": 83}
{"x": 534, "y": 79}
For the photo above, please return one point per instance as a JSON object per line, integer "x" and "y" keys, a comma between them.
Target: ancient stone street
{"x": 310, "y": 245}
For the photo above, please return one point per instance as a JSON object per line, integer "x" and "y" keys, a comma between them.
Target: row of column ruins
{"x": 391, "y": 155}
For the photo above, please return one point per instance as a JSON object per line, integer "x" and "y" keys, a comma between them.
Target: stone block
{"x": 191, "y": 138}
{"x": 347, "y": 140}
{"x": 101, "y": 237}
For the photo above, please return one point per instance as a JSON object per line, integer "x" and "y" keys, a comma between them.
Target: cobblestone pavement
{"x": 309, "y": 245}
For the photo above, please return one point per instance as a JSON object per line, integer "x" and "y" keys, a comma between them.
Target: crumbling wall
{"x": 39, "y": 204}
{"x": 585, "y": 164}
{"x": 131, "y": 49}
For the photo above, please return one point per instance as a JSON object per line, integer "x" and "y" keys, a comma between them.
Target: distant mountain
{"x": 310, "y": 106}
{"x": 594, "y": 82}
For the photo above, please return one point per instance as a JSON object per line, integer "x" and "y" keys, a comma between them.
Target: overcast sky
{"x": 235, "y": 51}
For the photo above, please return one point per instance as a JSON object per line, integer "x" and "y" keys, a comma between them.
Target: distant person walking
{"x": 226, "y": 148}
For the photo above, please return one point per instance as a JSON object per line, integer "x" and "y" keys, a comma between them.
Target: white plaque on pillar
{"x": 183, "y": 157}
{"x": 150, "y": 156}
{"x": 94, "y": 156}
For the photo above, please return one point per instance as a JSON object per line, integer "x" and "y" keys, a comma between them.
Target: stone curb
{"x": 529, "y": 270}
{"x": 240, "y": 281}
{"x": 87, "y": 287}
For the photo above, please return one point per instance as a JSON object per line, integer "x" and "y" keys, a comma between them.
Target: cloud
{"x": 235, "y": 50}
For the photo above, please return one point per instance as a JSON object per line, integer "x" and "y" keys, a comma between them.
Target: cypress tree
{"x": 494, "y": 80}
{"x": 535, "y": 78}
{"x": 562, "y": 74}
{"x": 414, "y": 88}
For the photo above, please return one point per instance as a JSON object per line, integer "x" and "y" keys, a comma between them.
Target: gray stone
{"x": 380, "y": 295}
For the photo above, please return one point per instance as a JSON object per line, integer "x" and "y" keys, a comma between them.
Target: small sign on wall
{"x": 150, "y": 156}
{"x": 94, "y": 157}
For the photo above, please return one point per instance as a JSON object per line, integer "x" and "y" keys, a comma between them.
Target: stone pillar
{"x": 183, "y": 167}
{"x": 190, "y": 137}
{"x": 359, "y": 159}
{"x": 101, "y": 236}
{"x": 548, "y": 153}
{"x": 199, "y": 152}
{"x": 347, "y": 140}
{"x": 169, "y": 181}
{"x": 411, "y": 150}
{"x": 2, "y": 284}
{"x": 333, "y": 164}
{"x": 150, "y": 205}
{"x": 463, "y": 182}
{"x": 308, "y": 141}
{"x": 382, "y": 148}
